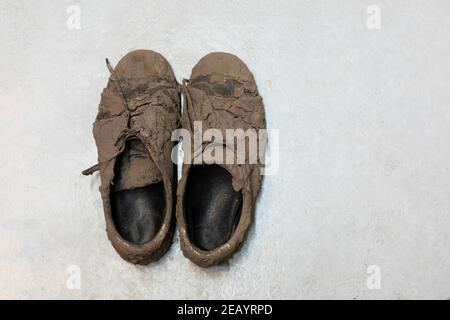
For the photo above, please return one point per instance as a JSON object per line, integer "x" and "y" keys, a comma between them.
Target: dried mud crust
{"x": 141, "y": 101}
{"x": 222, "y": 93}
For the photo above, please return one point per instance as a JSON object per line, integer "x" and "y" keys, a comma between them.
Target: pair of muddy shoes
{"x": 138, "y": 117}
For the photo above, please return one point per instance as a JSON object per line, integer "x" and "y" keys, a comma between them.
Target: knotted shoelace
{"x": 128, "y": 132}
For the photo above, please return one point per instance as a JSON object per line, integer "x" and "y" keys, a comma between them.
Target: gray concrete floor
{"x": 363, "y": 185}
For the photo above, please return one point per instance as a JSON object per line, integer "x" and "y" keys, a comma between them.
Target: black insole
{"x": 212, "y": 207}
{"x": 138, "y": 213}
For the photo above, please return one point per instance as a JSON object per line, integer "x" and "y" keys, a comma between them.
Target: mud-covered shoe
{"x": 138, "y": 111}
{"x": 215, "y": 201}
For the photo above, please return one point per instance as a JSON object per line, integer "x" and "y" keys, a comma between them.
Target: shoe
{"x": 138, "y": 111}
{"x": 215, "y": 202}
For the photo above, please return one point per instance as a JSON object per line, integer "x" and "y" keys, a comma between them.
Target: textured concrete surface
{"x": 363, "y": 116}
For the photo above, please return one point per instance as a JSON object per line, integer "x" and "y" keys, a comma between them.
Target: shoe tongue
{"x": 135, "y": 168}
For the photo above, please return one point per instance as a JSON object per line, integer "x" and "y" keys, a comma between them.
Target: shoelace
{"x": 120, "y": 142}
{"x": 187, "y": 111}
{"x": 128, "y": 132}
{"x": 187, "y": 103}
{"x": 124, "y": 135}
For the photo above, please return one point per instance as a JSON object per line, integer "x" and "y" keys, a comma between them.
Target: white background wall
{"x": 363, "y": 116}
